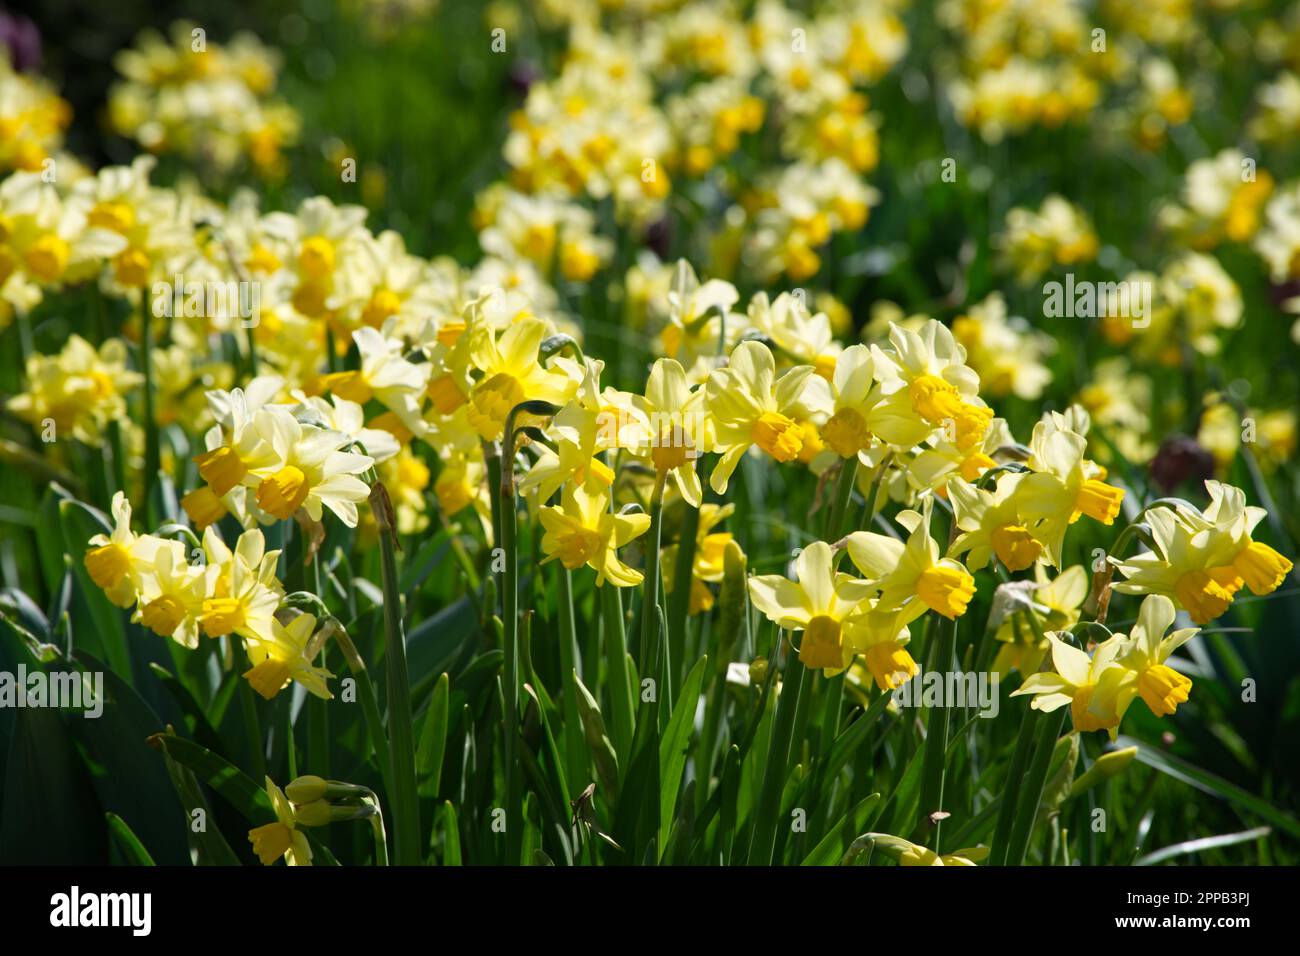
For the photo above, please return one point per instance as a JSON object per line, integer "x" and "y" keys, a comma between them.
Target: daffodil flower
{"x": 991, "y": 525}
{"x": 1063, "y": 486}
{"x": 312, "y": 471}
{"x": 1192, "y": 563}
{"x": 818, "y": 603}
{"x": 513, "y": 373}
{"x": 675, "y": 425}
{"x": 1097, "y": 688}
{"x": 927, "y": 385}
{"x": 116, "y": 561}
{"x": 1160, "y": 686}
{"x": 241, "y": 591}
{"x": 881, "y": 638}
{"x": 710, "y": 557}
{"x": 281, "y": 838}
{"x": 286, "y": 655}
{"x": 1259, "y": 566}
{"x": 749, "y": 406}
{"x": 171, "y": 596}
{"x": 582, "y": 530}
{"x": 912, "y": 576}
{"x": 385, "y": 375}
{"x": 591, "y": 423}
{"x": 1055, "y": 604}
{"x": 848, "y": 431}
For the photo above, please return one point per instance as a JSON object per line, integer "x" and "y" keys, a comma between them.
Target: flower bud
{"x": 305, "y": 789}
{"x": 317, "y": 813}
{"x": 1106, "y": 766}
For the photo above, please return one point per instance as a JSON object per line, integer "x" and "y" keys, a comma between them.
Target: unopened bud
{"x": 317, "y": 813}
{"x": 305, "y": 789}
{"x": 758, "y": 670}
{"x": 1106, "y": 766}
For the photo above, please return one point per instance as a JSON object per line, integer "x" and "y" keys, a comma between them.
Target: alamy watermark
{"x": 64, "y": 690}
{"x": 75, "y": 909}
{"x": 951, "y": 689}
{"x": 208, "y": 299}
{"x": 1128, "y": 299}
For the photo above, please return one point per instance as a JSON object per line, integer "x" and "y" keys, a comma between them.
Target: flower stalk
{"x": 401, "y": 738}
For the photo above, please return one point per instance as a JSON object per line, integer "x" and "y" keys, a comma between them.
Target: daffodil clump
{"x": 659, "y": 103}
{"x": 646, "y": 480}
{"x": 209, "y": 102}
{"x": 32, "y": 119}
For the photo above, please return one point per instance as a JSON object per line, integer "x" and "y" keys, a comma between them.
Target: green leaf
{"x": 847, "y": 743}
{"x": 674, "y": 745}
{"x": 835, "y": 843}
{"x": 1188, "y": 847}
{"x": 1207, "y": 782}
{"x": 126, "y": 773}
{"x": 209, "y": 842}
{"x": 450, "y": 836}
{"x": 127, "y": 841}
{"x": 49, "y": 814}
{"x": 433, "y": 740}
{"x": 236, "y": 787}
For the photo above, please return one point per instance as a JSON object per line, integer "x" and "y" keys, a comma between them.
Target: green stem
{"x": 622, "y": 720}
{"x": 650, "y": 657}
{"x": 575, "y": 749}
{"x": 401, "y": 738}
{"x": 152, "y": 449}
{"x": 650, "y": 665}
{"x": 248, "y": 707}
{"x": 369, "y": 706}
{"x": 508, "y": 517}
{"x": 936, "y": 739}
{"x": 377, "y": 827}
{"x": 679, "y": 601}
{"x": 843, "y": 494}
{"x": 796, "y": 680}
{"x": 1007, "y": 811}
{"x": 1031, "y": 793}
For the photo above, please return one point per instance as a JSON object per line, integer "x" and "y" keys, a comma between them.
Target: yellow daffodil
{"x": 881, "y": 638}
{"x": 116, "y": 561}
{"x": 818, "y": 603}
{"x": 281, "y": 838}
{"x": 241, "y": 591}
{"x": 710, "y": 557}
{"x": 1063, "y": 486}
{"x": 1192, "y": 563}
{"x": 385, "y": 376}
{"x": 991, "y": 525}
{"x": 750, "y": 406}
{"x": 171, "y": 596}
{"x": 582, "y": 530}
{"x": 848, "y": 431}
{"x": 311, "y": 471}
{"x": 927, "y": 386}
{"x": 1055, "y": 604}
{"x": 1261, "y": 567}
{"x": 287, "y": 656}
{"x": 1160, "y": 686}
{"x": 912, "y": 576}
{"x": 512, "y": 373}
{"x": 1094, "y": 687}
{"x": 675, "y": 423}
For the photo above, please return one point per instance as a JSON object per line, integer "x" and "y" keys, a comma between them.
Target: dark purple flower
{"x": 1180, "y": 459}
{"x": 23, "y": 41}
{"x": 523, "y": 74}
